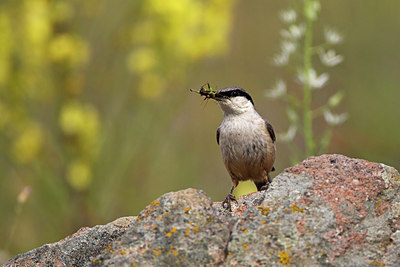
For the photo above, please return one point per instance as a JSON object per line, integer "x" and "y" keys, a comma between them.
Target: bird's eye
{"x": 234, "y": 93}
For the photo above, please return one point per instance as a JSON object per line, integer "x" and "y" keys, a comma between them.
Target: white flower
{"x": 332, "y": 36}
{"x": 277, "y": 91}
{"x": 294, "y": 31}
{"x": 315, "y": 81}
{"x": 288, "y": 47}
{"x": 288, "y": 16}
{"x": 330, "y": 58}
{"x": 281, "y": 59}
{"x": 335, "y": 119}
{"x": 289, "y": 135}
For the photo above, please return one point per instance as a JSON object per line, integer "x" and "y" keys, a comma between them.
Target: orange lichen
{"x": 108, "y": 248}
{"x": 245, "y": 245}
{"x": 156, "y": 203}
{"x": 123, "y": 252}
{"x": 156, "y": 252}
{"x": 187, "y": 209}
{"x": 264, "y": 221}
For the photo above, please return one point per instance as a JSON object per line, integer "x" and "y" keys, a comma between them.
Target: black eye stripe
{"x": 235, "y": 91}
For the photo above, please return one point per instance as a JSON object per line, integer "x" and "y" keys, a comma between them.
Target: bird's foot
{"x": 226, "y": 204}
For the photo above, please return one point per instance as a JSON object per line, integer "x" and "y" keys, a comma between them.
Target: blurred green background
{"x": 96, "y": 118}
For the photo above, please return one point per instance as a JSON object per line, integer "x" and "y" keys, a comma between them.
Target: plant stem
{"x": 307, "y": 65}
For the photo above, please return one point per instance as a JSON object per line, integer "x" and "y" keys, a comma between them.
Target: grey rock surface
{"x": 326, "y": 211}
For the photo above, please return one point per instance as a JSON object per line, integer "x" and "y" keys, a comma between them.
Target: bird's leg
{"x": 226, "y": 204}
{"x": 264, "y": 184}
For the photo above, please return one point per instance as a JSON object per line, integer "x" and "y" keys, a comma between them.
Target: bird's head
{"x": 233, "y": 100}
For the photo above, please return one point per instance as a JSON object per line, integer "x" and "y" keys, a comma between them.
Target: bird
{"x": 246, "y": 140}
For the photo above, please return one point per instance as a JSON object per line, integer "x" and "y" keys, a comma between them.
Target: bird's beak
{"x": 217, "y": 96}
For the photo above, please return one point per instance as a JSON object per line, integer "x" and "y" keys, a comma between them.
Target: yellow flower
{"x": 28, "y": 143}
{"x": 142, "y": 60}
{"x": 79, "y": 175}
{"x": 68, "y": 48}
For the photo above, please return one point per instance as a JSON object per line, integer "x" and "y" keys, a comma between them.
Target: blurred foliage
{"x": 96, "y": 118}
{"x": 52, "y": 132}
{"x": 298, "y": 48}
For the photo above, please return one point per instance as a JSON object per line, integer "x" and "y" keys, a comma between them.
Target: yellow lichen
{"x": 187, "y": 231}
{"x": 187, "y": 209}
{"x": 284, "y": 257}
{"x": 156, "y": 252}
{"x": 377, "y": 263}
{"x": 174, "y": 252}
{"x": 245, "y": 245}
{"x": 123, "y": 252}
{"x": 156, "y": 203}
{"x": 264, "y": 221}
{"x": 296, "y": 209}
{"x": 173, "y": 230}
{"x": 264, "y": 211}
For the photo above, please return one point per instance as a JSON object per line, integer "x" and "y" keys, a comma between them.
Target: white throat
{"x": 236, "y": 106}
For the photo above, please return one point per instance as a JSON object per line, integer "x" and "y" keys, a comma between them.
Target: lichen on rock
{"x": 327, "y": 210}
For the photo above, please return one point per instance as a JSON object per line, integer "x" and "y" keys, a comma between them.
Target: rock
{"x": 75, "y": 250}
{"x": 327, "y": 210}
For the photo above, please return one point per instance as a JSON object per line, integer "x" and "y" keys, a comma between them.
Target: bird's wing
{"x": 270, "y": 130}
{"x": 218, "y": 135}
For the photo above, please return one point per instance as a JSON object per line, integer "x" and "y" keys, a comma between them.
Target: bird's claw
{"x": 264, "y": 187}
{"x": 226, "y": 204}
